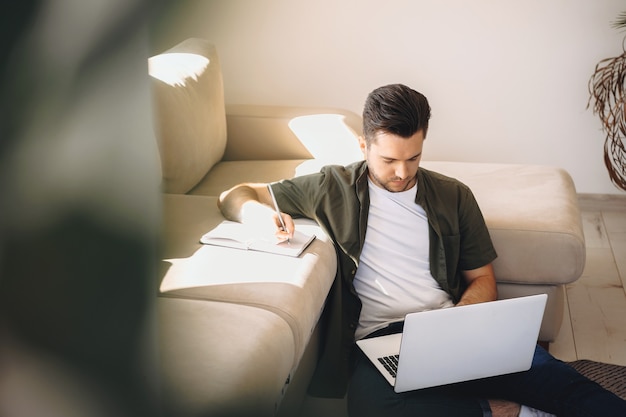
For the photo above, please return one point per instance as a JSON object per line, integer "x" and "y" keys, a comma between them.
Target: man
{"x": 407, "y": 239}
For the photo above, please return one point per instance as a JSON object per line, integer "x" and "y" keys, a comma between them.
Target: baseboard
{"x": 602, "y": 202}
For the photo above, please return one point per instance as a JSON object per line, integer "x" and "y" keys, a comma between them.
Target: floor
{"x": 594, "y": 325}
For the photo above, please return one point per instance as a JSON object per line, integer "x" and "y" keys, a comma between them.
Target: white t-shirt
{"x": 393, "y": 277}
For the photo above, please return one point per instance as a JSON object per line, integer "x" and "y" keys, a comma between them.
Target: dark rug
{"x": 611, "y": 377}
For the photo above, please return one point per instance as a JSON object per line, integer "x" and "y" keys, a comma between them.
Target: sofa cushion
{"x": 293, "y": 288}
{"x": 533, "y": 218}
{"x": 221, "y": 359}
{"x": 190, "y": 118}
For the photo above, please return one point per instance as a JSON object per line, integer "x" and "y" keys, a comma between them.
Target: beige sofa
{"x": 239, "y": 330}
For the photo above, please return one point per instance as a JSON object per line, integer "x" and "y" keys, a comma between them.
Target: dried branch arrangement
{"x": 608, "y": 99}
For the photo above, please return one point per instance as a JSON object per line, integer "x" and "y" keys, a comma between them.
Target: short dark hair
{"x": 395, "y": 109}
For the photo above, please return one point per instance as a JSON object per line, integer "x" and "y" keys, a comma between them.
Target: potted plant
{"x": 607, "y": 90}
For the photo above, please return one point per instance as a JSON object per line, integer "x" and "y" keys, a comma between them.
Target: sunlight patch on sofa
{"x": 212, "y": 266}
{"x": 176, "y": 69}
{"x": 327, "y": 137}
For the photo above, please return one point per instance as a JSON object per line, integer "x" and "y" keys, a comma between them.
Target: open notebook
{"x": 236, "y": 235}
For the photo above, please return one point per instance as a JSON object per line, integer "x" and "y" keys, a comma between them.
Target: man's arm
{"x": 251, "y": 203}
{"x": 481, "y": 286}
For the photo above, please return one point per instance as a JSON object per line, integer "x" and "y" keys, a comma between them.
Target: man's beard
{"x": 386, "y": 184}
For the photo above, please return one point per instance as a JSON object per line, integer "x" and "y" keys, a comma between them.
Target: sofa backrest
{"x": 190, "y": 119}
{"x": 259, "y": 132}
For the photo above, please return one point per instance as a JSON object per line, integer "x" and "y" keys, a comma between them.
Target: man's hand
{"x": 290, "y": 227}
{"x": 250, "y": 204}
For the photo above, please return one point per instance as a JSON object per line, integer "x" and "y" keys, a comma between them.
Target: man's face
{"x": 392, "y": 160}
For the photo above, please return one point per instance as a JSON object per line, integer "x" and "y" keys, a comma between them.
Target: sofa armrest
{"x": 279, "y": 133}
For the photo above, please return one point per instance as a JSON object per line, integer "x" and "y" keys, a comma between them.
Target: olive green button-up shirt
{"x": 338, "y": 199}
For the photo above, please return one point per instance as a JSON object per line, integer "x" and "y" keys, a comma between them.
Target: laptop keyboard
{"x": 390, "y": 363}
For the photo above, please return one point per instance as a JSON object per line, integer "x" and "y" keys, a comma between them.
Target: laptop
{"x": 458, "y": 344}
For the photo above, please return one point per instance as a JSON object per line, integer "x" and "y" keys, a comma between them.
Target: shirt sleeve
{"x": 298, "y": 196}
{"x": 477, "y": 249}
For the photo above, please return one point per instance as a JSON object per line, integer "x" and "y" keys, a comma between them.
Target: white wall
{"x": 507, "y": 81}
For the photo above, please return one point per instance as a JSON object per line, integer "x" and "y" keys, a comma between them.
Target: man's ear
{"x": 362, "y": 145}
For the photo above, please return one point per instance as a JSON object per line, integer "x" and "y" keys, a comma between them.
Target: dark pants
{"x": 550, "y": 385}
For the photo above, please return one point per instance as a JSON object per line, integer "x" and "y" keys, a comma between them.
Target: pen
{"x": 280, "y": 218}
